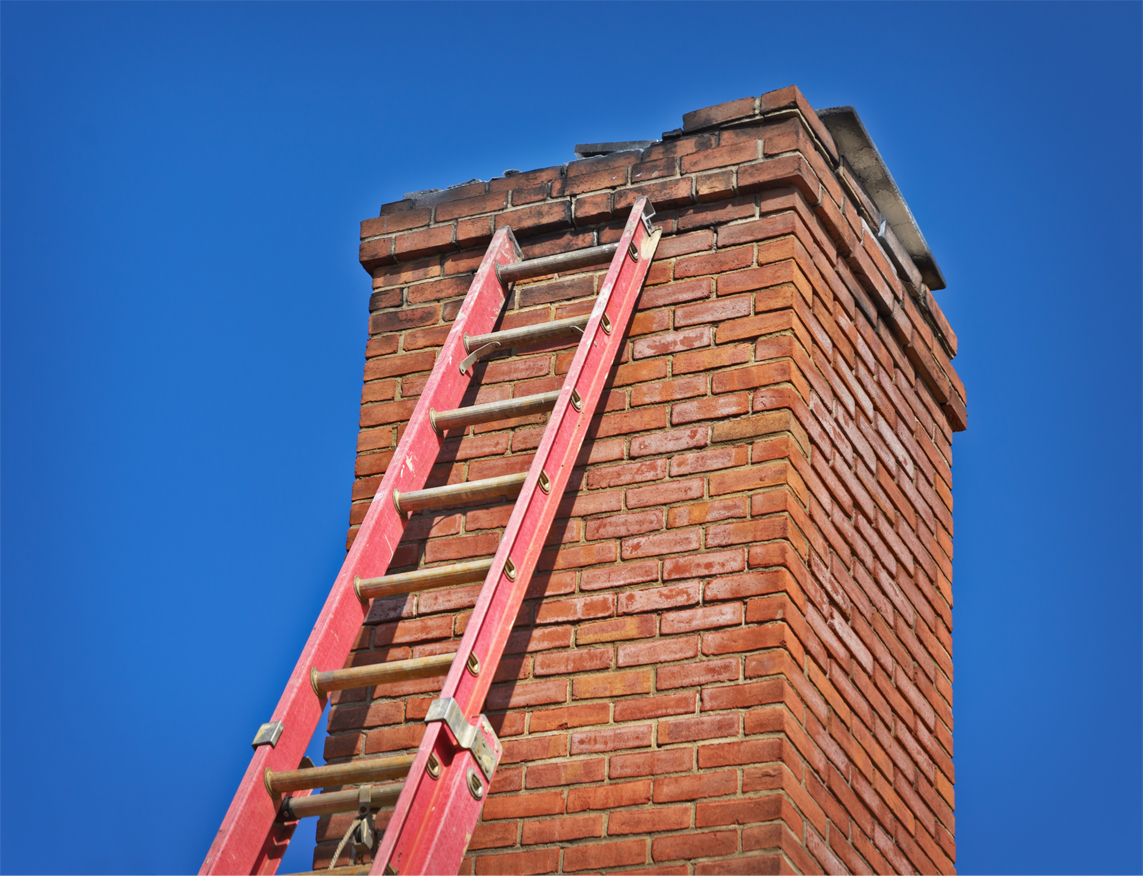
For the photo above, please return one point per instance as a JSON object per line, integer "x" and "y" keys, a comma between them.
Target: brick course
{"x": 736, "y": 653}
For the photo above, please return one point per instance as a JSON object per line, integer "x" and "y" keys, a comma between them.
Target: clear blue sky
{"x": 182, "y": 322}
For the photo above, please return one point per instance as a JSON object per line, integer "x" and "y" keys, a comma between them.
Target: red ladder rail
{"x": 440, "y": 804}
{"x": 251, "y": 839}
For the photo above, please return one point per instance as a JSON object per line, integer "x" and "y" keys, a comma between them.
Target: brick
{"x": 652, "y": 763}
{"x": 694, "y": 729}
{"x": 694, "y": 845}
{"x": 619, "y": 576}
{"x": 664, "y": 493}
{"x": 674, "y": 542}
{"x": 656, "y": 707}
{"x": 609, "y": 796}
{"x": 659, "y": 651}
{"x": 571, "y": 610}
{"x": 612, "y": 685}
{"x": 523, "y": 805}
{"x": 622, "y": 525}
{"x": 556, "y": 830}
{"x": 619, "y": 629}
{"x": 605, "y": 855}
{"x": 567, "y": 772}
{"x": 675, "y": 293}
{"x": 616, "y": 739}
{"x": 705, "y": 618}
{"x": 671, "y": 789}
{"x": 660, "y": 818}
{"x": 658, "y": 598}
{"x": 536, "y": 219}
{"x": 672, "y": 342}
{"x": 701, "y": 673}
{"x": 669, "y": 390}
{"x": 704, "y": 565}
{"x": 518, "y": 863}
{"x": 534, "y": 748}
{"x": 710, "y": 360}
{"x": 670, "y": 442}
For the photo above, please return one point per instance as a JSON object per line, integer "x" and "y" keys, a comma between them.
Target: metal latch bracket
{"x": 468, "y": 736}
{"x": 268, "y": 734}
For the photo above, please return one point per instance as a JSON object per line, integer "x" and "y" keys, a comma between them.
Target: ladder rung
{"x": 346, "y": 870}
{"x": 380, "y": 673}
{"x": 355, "y": 772}
{"x": 553, "y": 264}
{"x": 458, "y": 494}
{"x": 294, "y": 808}
{"x": 528, "y": 334}
{"x": 422, "y": 579}
{"x": 489, "y": 411}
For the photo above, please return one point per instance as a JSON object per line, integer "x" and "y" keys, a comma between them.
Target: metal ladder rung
{"x": 294, "y": 808}
{"x": 457, "y": 494}
{"x": 481, "y": 346}
{"x": 380, "y": 673}
{"x": 355, "y": 772}
{"x": 347, "y": 870}
{"x": 553, "y": 264}
{"x": 423, "y": 579}
{"x": 490, "y": 411}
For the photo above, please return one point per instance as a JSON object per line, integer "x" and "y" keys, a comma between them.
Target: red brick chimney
{"x": 736, "y": 657}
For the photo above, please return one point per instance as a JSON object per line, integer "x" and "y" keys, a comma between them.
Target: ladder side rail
{"x": 433, "y": 819}
{"x": 251, "y": 839}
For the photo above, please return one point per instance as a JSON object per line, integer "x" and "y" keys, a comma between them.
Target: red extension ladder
{"x": 438, "y": 803}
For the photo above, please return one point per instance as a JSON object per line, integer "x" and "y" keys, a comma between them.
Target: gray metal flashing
{"x": 591, "y": 150}
{"x": 857, "y": 147}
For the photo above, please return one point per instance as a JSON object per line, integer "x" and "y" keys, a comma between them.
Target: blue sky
{"x": 182, "y": 324}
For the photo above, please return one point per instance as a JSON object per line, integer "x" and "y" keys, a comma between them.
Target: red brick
{"x": 567, "y": 772}
{"x": 653, "y": 763}
{"x": 658, "y": 598}
{"x": 693, "y": 729}
{"x": 518, "y": 863}
{"x": 705, "y": 618}
{"x": 660, "y": 544}
{"x": 704, "y": 565}
{"x": 523, "y": 805}
{"x": 619, "y": 629}
{"x": 648, "y": 820}
{"x": 674, "y": 342}
{"x": 609, "y": 796}
{"x": 611, "y": 685}
{"x": 665, "y": 493}
{"x": 605, "y": 855}
{"x": 536, "y": 219}
{"x": 658, "y": 651}
{"x": 544, "y": 720}
{"x": 694, "y": 845}
{"x": 616, "y": 739}
{"x": 694, "y": 674}
{"x": 656, "y": 707}
{"x": 671, "y": 789}
{"x": 709, "y": 360}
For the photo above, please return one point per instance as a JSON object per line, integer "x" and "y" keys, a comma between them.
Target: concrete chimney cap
{"x": 857, "y": 147}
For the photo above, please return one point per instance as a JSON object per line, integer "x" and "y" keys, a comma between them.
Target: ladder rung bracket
{"x": 490, "y": 412}
{"x": 354, "y": 772}
{"x": 426, "y": 832}
{"x": 379, "y": 673}
{"x": 251, "y": 837}
{"x": 451, "y": 495}
{"x": 554, "y": 264}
